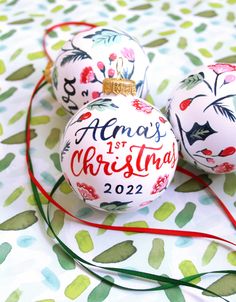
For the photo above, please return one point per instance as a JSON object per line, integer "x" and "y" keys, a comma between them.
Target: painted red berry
{"x": 162, "y": 120}
{"x": 85, "y": 116}
{"x": 227, "y": 151}
{"x": 207, "y": 152}
{"x": 184, "y": 104}
{"x": 100, "y": 65}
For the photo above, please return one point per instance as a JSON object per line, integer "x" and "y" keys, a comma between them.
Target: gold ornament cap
{"x": 47, "y": 72}
{"x": 119, "y": 86}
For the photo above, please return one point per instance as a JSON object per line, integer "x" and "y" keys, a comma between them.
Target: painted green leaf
{"x": 230, "y": 17}
{"x": 57, "y": 223}
{"x": 119, "y": 17}
{"x": 6, "y": 161}
{"x": 185, "y": 215}
{"x": 206, "y": 53}
{"x": 135, "y": 224}
{"x": 186, "y": 24}
{"x": 156, "y": 43}
{"x": 14, "y": 296}
{"x": 200, "y": 28}
{"x": 65, "y": 188}
{"x": 141, "y": 7}
{"x": 167, "y": 32}
{"x": 229, "y": 59}
{"x": 21, "y": 73}
{"x": 150, "y": 99}
{"x": 225, "y": 286}
{"x": 101, "y": 291}
{"x": 36, "y": 55}
{"x": 117, "y": 253}
{"x": 174, "y": 17}
{"x": 1, "y": 129}
{"x": 64, "y": 259}
{"x": 70, "y": 9}
{"x": 55, "y": 157}
{"x": 110, "y": 7}
{"x": 165, "y": 6}
{"x": 162, "y": 86}
{"x": 231, "y": 257}
{"x": 7, "y": 34}
{"x": 109, "y": 220}
{"x": 16, "y": 54}
{"x": 20, "y": 221}
{"x": 61, "y": 111}
{"x": 218, "y": 45}
{"x": 122, "y": 2}
{"x": 22, "y": 21}
{"x": 151, "y": 56}
{"x": 164, "y": 211}
{"x": 133, "y": 19}
{"x": 84, "y": 241}
{"x": 230, "y": 184}
{"x": 187, "y": 268}
{"x": 207, "y": 14}
{"x": 46, "y": 300}
{"x": 194, "y": 59}
{"x": 77, "y": 287}
{"x": 8, "y": 93}
{"x": 173, "y": 294}
{"x": 53, "y": 138}
{"x": 32, "y": 202}
{"x": 5, "y": 249}
{"x": 182, "y": 43}
{"x": 58, "y": 45}
{"x": 14, "y": 195}
{"x": 57, "y": 8}
{"x": 157, "y": 253}
{"x": 192, "y": 185}
{"x": 209, "y": 253}
{"x": 16, "y": 117}
{"x": 39, "y": 120}
{"x": 2, "y": 67}
{"x": 19, "y": 138}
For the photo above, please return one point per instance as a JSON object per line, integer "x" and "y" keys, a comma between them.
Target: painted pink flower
{"x": 141, "y": 106}
{"x": 224, "y": 168}
{"x": 227, "y": 151}
{"x": 128, "y": 53}
{"x": 229, "y": 78}
{"x": 222, "y": 67}
{"x": 86, "y": 191}
{"x": 210, "y": 160}
{"x": 87, "y": 75}
{"x": 95, "y": 94}
{"x": 160, "y": 184}
{"x": 111, "y": 73}
{"x": 112, "y": 57}
{"x": 100, "y": 66}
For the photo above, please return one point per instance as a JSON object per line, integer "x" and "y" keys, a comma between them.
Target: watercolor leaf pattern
{"x": 102, "y": 104}
{"x": 105, "y": 37}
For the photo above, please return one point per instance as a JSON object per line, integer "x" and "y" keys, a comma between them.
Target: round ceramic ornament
{"x": 202, "y": 111}
{"x": 88, "y": 58}
{"x": 118, "y": 152}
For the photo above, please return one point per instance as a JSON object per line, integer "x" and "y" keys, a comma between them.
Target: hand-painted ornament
{"x": 91, "y": 56}
{"x": 202, "y": 111}
{"x": 118, "y": 152}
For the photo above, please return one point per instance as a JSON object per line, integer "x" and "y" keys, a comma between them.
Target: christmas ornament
{"x": 88, "y": 58}
{"x": 202, "y": 111}
{"x": 118, "y": 152}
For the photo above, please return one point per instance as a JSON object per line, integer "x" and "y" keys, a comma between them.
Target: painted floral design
{"x": 86, "y": 191}
{"x": 128, "y": 53}
{"x": 145, "y": 203}
{"x": 224, "y": 168}
{"x": 160, "y": 184}
{"x": 141, "y": 106}
{"x": 87, "y": 75}
{"x": 222, "y": 67}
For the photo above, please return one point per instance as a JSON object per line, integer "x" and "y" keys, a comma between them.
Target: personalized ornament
{"x": 118, "y": 152}
{"x": 202, "y": 111}
{"x": 88, "y": 58}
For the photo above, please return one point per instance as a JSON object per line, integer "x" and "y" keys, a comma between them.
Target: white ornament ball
{"x": 88, "y": 58}
{"x": 118, "y": 153}
{"x": 202, "y": 111}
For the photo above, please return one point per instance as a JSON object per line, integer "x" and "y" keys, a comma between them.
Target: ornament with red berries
{"x": 118, "y": 152}
{"x": 202, "y": 111}
{"x": 89, "y": 57}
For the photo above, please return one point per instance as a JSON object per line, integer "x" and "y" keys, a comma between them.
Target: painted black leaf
{"x": 220, "y": 108}
{"x": 105, "y": 37}
{"x": 65, "y": 149}
{"x": 76, "y": 54}
{"x": 199, "y": 132}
